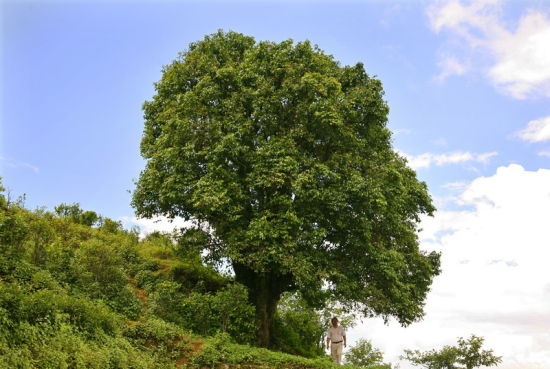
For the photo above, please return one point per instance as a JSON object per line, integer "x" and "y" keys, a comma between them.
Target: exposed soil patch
{"x": 141, "y": 294}
{"x": 196, "y": 347}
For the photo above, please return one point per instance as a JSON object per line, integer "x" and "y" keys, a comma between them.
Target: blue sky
{"x": 468, "y": 85}
{"x": 74, "y": 76}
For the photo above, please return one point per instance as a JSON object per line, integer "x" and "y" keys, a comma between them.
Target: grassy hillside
{"x": 79, "y": 291}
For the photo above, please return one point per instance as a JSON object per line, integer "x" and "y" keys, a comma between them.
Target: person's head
{"x": 334, "y": 322}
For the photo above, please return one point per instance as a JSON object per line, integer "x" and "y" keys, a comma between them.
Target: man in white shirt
{"x": 336, "y": 337}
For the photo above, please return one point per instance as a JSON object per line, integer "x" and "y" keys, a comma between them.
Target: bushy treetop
{"x": 285, "y": 154}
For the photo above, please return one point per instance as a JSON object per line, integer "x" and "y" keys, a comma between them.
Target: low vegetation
{"x": 79, "y": 291}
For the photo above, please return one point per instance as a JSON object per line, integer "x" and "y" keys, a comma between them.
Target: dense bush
{"x": 227, "y": 310}
{"x": 220, "y": 349}
{"x": 297, "y": 328}
{"x": 364, "y": 355}
{"x": 51, "y": 346}
{"x": 78, "y": 291}
{"x": 159, "y": 336}
{"x": 66, "y": 293}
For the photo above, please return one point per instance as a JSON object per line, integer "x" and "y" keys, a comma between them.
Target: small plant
{"x": 364, "y": 355}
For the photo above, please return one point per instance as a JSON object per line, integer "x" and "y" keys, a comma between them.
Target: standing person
{"x": 336, "y": 337}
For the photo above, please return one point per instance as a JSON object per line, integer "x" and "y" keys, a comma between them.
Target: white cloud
{"x": 455, "y": 185}
{"x": 520, "y": 56}
{"x": 495, "y": 280}
{"x": 545, "y": 153}
{"x": 450, "y": 66}
{"x": 18, "y": 164}
{"x": 428, "y": 159}
{"x": 398, "y": 131}
{"x": 156, "y": 224}
{"x": 537, "y": 130}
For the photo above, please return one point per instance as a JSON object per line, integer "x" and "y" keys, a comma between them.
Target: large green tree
{"x": 285, "y": 155}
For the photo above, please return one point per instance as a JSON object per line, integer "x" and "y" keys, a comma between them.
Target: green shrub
{"x": 23, "y": 271}
{"x": 92, "y": 317}
{"x": 126, "y": 303}
{"x": 99, "y": 269}
{"x": 297, "y": 328}
{"x": 11, "y": 299}
{"x": 13, "y": 232}
{"x": 40, "y": 306}
{"x": 198, "y": 314}
{"x": 160, "y": 336}
{"x": 220, "y": 349}
{"x": 364, "y": 355}
{"x": 236, "y": 314}
{"x": 195, "y": 276}
{"x": 147, "y": 279}
{"x": 165, "y": 301}
{"x": 226, "y": 311}
{"x": 43, "y": 279}
{"x": 60, "y": 346}
{"x": 75, "y": 214}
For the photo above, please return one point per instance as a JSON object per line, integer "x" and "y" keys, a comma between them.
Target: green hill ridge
{"x": 79, "y": 291}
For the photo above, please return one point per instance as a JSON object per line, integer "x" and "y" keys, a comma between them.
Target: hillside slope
{"x": 79, "y": 291}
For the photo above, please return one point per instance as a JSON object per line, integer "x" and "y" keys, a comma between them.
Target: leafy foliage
{"x": 285, "y": 155}
{"x": 466, "y": 355}
{"x": 300, "y": 329}
{"x": 77, "y": 215}
{"x": 74, "y": 293}
{"x": 283, "y": 159}
{"x": 221, "y": 350}
{"x": 97, "y": 296}
{"x": 101, "y": 298}
{"x": 364, "y": 355}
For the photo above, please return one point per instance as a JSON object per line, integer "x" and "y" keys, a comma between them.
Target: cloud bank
{"x": 537, "y": 130}
{"x": 494, "y": 281}
{"x": 428, "y": 159}
{"x": 18, "y": 164}
{"x": 520, "y": 56}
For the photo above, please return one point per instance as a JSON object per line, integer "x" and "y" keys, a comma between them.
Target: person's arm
{"x": 344, "y": 336}
{"x": 328, "y": 340}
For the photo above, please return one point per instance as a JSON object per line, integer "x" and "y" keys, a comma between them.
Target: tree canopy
{"x": 466, "y": 355}
{"x": 286, "y": 156}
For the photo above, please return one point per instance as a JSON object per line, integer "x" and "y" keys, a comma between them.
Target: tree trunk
{"x": 264, "y": 292}
{"x": 265, "y": 300}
